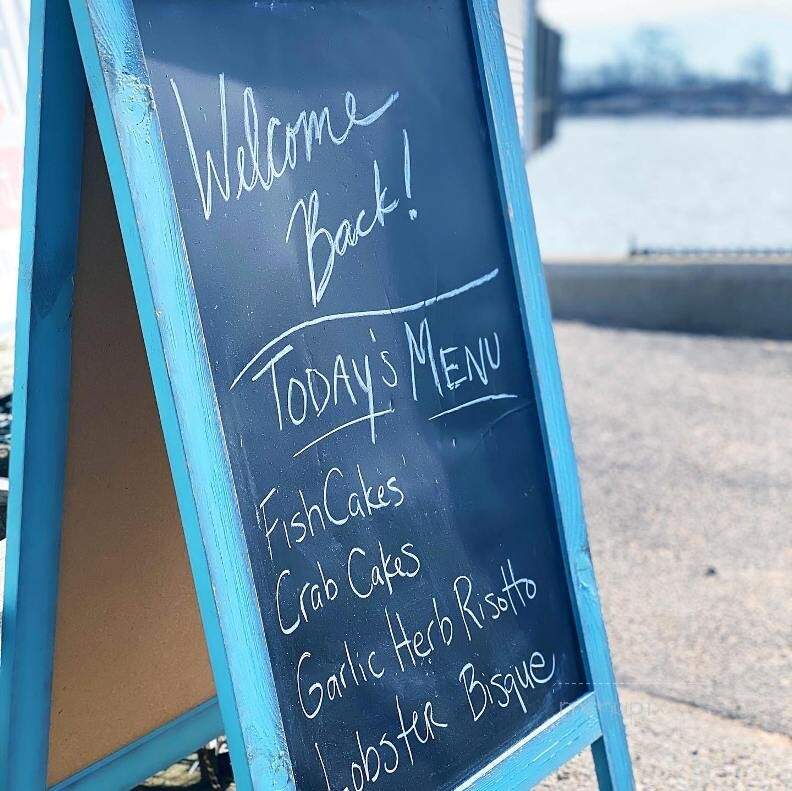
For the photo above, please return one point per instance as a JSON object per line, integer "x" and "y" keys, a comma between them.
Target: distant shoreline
{"x": 607, "y": 115}
{"x": 727, "y": 100}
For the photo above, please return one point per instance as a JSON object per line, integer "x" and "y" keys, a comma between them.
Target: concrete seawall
{"x": 743, "y": 298}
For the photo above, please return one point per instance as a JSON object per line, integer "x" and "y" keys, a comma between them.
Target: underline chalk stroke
{"x": 495, "y": 397}
{"x": 349, "y": 423}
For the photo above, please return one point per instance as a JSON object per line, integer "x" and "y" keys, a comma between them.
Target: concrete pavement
{"x": 740, "y": 296}
{"x": 685, "y": 450}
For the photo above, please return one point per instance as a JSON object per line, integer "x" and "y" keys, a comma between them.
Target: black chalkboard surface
{"x": 335, "y": 181}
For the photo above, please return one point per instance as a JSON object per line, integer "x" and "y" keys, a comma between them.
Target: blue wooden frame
{"x": 50, "y": 206}
{"x": 119, "y": 84}
{"x": 137, "y": 761}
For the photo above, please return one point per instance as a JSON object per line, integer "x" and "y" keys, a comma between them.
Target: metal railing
{"x": 709, "y": 253}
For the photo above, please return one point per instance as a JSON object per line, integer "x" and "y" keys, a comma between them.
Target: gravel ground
{"x": 676, "y": 747}
{"x": 685, "y": 450}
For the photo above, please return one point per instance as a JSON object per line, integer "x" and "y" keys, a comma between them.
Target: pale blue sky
{"x": 714, "y": 34}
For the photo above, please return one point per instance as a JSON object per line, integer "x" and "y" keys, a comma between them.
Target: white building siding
{"x": 13, "y": 74}
{"x": 517, "y": 18}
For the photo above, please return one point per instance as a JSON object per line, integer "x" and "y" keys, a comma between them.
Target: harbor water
{"x": 605, "y": 183}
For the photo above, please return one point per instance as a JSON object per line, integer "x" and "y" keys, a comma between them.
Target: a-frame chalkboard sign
{"x": 336, "y": 385}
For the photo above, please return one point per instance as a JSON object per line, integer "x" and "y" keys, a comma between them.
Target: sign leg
{"x": 53, "y": 156}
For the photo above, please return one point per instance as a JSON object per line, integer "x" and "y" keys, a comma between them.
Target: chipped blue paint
{"x": 540, "y": 753}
